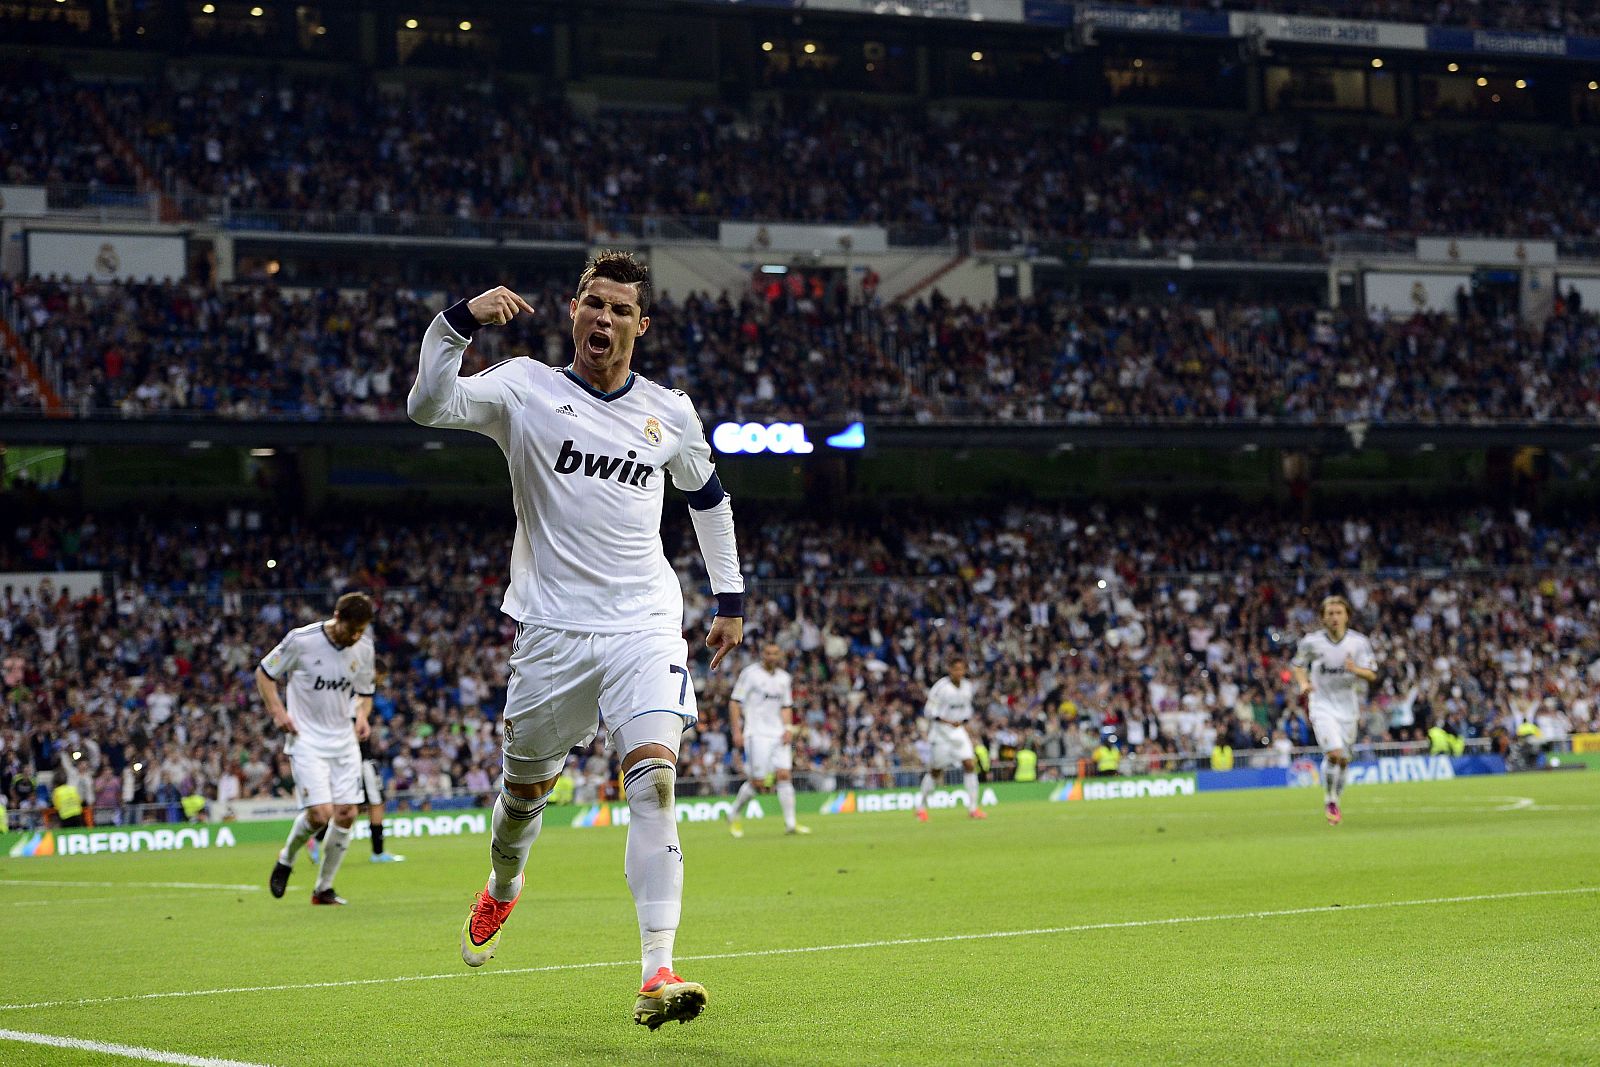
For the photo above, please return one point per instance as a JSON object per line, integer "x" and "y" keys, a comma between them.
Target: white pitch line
{"x": 118, "y": 899}
{"x": 1130, "y": 924}
{"x": 132, "y": 1052}
{"x": 133, "y": 885}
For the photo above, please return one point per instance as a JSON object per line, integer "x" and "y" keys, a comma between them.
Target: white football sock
{"x": 654, "y": 859}
{"x": 517, "y": 822}
{"x": 786, "y": 803}
{"x": 928, "y": 785}
{"x": 299, "y": 834}
{"x": 970, "y": 781}
{"x": 747, "y": 793}
{"x": 1330, "y": 779}
{"x": 1339, "y": 776}
{"x": 333, "y": 849}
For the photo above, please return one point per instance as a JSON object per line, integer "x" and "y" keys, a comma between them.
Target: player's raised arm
{"x": 441, "y": 396}
{"x": 711, "y": 511}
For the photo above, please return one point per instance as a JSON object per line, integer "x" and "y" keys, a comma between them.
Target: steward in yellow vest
{"x": 1027, "y": 765}
{"x": 68, "y": 804}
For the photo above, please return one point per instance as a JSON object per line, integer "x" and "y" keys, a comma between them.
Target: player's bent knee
{"x": 320, "y": 814}
{"x": 345, "y": 815}
{"x": 651, "y": 784}
{"x": 649, "y": 751}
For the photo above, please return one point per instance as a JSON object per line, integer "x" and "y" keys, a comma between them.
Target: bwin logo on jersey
{"x": 624, "y": 471}
{"x": 329, "y": 683}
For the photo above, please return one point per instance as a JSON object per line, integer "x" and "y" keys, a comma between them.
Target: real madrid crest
{"x": 652, "y": 430}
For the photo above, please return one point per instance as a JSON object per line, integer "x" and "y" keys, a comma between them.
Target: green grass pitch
{"x": 1219, "y": 928}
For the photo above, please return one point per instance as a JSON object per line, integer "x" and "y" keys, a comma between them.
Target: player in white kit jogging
{"x": 600, "y": 612}
{"x": 949, "y": 707}
{"x": 761, "y": 714}
{"x": 1330, "y": 666}
{"x": 327, "y": 669}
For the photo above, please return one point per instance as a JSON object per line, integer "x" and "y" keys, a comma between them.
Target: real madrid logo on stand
{"x": 652, "y": 430}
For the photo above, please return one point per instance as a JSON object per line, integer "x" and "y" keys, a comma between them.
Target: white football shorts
{"x": 949, "y": 745}
{"x": 563, "y": 684}
{"x": 324, "y": 779}
{"x": 1333, "y": 733}
{"x": 766, "y": 754}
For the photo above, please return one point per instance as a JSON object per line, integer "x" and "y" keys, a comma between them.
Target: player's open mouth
{"x": 599, "y": 343}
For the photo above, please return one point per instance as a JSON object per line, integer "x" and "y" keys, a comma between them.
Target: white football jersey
{"x": 1334, "y": 690}
{"x": 588, "y": 478}
{"x": 323, "y": 681}
{"x": 949, "y": 701}
{"x": 762, "y": 696}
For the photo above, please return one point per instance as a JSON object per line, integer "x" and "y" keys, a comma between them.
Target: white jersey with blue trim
{"x": 588, "y": 476}
{"x": 323, "y": 682}
{"x": 1334, "y": 690}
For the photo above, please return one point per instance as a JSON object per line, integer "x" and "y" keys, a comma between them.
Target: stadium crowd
{"x": 1167, "y": 629}
{"x": 245, "y": 149}
{"x": 250, "y": 350}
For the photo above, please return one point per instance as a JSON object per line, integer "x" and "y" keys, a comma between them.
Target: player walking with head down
{"x": 1328, "y": 664}
{"x": 327, "y": 669}
{"x": 599, "y": 609}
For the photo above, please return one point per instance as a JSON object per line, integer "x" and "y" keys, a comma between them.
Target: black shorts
{"x": 371, "y": 783}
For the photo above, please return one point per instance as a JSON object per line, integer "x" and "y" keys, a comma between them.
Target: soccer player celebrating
{"x": 599, "y": 609}
{"x": 948, "y": 708}
{"x": 327, "y": 668}
{"x": 761, "y": 712}
{"x": 1327, "y": 665}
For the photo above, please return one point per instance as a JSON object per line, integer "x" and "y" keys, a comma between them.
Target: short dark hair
{"x": 354, "y": 608}
{"x": 622, "y": 267}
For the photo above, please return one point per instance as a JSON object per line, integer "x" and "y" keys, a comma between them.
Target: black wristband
{"x": 730, "y": 605}
{"x": 460, "y": 319}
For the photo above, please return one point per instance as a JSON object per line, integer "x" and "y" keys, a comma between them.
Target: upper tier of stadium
{"x": 270, "y": 154}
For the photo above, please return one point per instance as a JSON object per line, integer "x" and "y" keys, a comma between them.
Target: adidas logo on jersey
{"x": 625, "y": 471}
{"x": 566, "y": 409}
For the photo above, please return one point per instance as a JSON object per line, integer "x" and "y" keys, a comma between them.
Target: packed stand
{"x": 244, "y": 149}
{"x": 1167, "y": 629}
{"x": 50, "y": 135}
{"x": 256, "y": 351}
